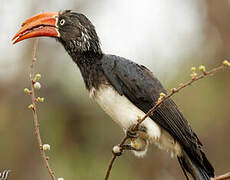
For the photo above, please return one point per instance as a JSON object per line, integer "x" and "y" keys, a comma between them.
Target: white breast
{"x": 122, "y": 111}
{"x": 125, "y": 113}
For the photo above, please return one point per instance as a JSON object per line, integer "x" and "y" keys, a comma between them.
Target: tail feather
{"x": 207, "y": 165}
{"x": 198, "y": 170}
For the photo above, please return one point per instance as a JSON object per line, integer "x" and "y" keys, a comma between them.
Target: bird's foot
{"x": 133, "y": 134}
{"x": 128, "y": 147}
{"x": 137, "y": 141}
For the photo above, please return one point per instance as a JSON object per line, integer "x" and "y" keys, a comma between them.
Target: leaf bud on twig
{"x": 226, "y": 63}
{"x": 46, "y": 147}
{"x": 173, "y": 90}
{"x": 193, "y": 69}
{"x": 31, "y": 106}
{"x": 37, "y": 77}
{"x": 162, "y": 95}
{"x": 116, "y": 149}
{"x": 134, "y": 144}
{"x": 37, "y": 85}
{"x": 40, "y": 99}
{"x": 194, "y": 75}
{"x": 202, "y": 68}
{"x": 26, "y": 90}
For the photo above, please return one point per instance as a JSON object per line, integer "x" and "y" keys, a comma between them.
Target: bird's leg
{"x": 136, "y": 137}
{"x": 138, "y": 145}
{"x": 118, "y": 150}
{"x": 128, "y": 147}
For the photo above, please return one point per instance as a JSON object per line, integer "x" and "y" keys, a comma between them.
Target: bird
{"x": 125, "y": 90}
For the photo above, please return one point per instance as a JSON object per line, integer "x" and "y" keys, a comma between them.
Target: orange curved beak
{"x": 44, "y": 24}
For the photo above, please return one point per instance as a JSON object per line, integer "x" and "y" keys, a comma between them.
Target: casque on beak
{"x": 44, "y": 24}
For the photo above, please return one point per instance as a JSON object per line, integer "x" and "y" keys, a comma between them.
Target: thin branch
{"x": 161, "y": 100}
{"x": 34, "y": 109}
{"x": 113, "y": 158}
{"x": 110, "y": 167}
{"x": 222, "y": 177}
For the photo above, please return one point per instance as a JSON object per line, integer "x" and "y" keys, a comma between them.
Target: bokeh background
{"x": 167, "y": 36}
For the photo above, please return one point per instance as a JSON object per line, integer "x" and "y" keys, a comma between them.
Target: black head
{"x": 77, "y": 33}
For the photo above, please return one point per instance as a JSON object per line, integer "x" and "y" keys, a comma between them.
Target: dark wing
{"x": 140, "y": 86}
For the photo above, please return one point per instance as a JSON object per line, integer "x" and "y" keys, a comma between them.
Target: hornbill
{"x": 124, "y": 89}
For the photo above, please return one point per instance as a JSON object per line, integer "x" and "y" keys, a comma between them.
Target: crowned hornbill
{"x": 124, "y": 89}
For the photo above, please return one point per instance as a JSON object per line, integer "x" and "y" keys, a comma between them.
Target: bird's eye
{"x": 62, "y": 22}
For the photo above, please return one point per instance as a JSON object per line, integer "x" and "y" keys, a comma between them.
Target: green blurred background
{"x": 167, "y": 36}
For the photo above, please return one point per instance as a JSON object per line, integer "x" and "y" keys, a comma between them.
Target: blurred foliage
{"x": 81, "y": 135}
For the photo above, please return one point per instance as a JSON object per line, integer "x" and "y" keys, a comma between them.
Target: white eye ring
{"x": 62, "y": 22}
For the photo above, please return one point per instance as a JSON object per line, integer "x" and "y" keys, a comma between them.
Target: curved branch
{"x": 114, "y": 158}
{"x": 34, "y": 109}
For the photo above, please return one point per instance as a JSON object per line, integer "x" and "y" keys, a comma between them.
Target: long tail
{"x": 198, "y": 170}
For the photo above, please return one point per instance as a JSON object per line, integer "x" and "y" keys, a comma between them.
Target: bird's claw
{"x": 128, "y": 147}
{"x": 119, "y": 149}
{"x": 133, "y": 134}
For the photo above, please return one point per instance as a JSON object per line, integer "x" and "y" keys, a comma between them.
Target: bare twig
{"x": 222, "y": 177}
{"x": 161, "y": 100}
{"x": 110, "y": 167}
{"x": 113, "y": 158}
{"x": 34, "y": 109}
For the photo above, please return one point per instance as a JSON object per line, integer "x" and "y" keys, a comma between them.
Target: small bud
{"x": 116, "y": 149}
{"x": 202, "y": 68}
{"x": 37, "y": 85}
{"x": 26, "y": 90}
{"x": 159, "y": 99}
{"x": 135, "y": 144}
{"x": 226, "y": 63}
{"x": 138, "y": 117}
{"x": 194, "y": 75}
{"x": 31, "y": 106}
{"x": 60, "y": 178}
{"x": 39, "y": 99}
{"x": 193, "y": 69}
{"x": 46, "y": 147}
{"x": 37, "y": 77}
{"x": 162, "y": 94}
{"x": 173, "y": 90}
